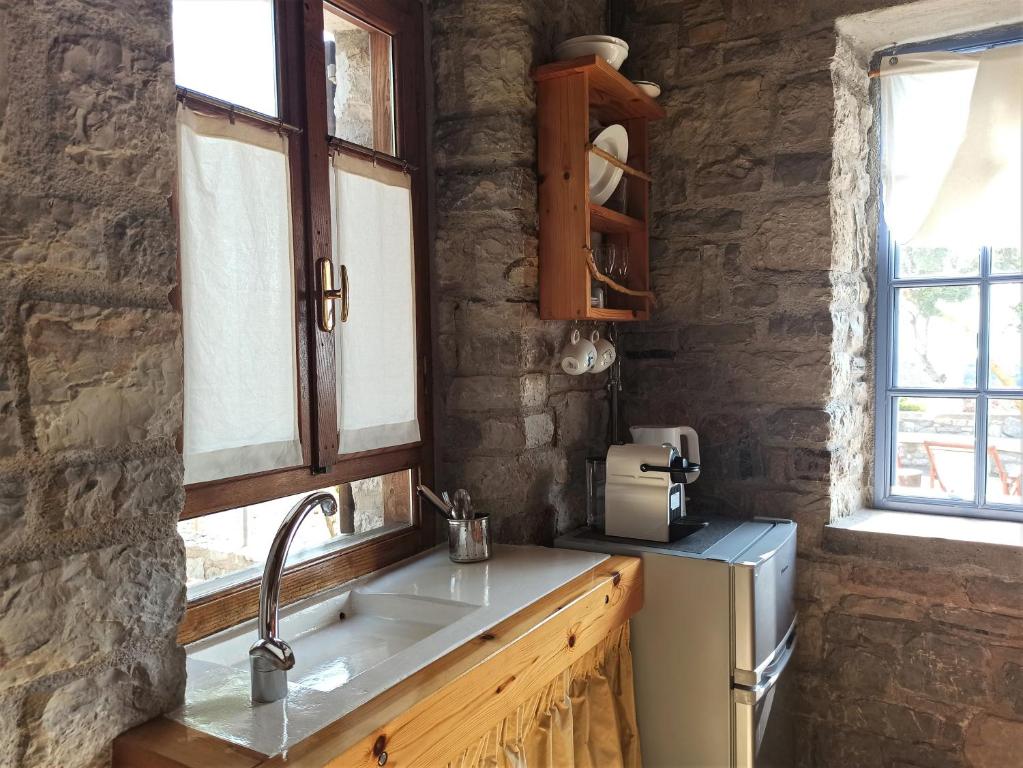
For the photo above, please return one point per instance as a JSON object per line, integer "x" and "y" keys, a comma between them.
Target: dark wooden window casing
{"x": 303, "y": 105}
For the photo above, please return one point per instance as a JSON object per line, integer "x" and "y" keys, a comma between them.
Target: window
{"x": 302, "y": 227}
{"x": 950, "y": 287}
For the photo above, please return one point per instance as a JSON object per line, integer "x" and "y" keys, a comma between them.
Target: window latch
{"x": 329, "y": 294}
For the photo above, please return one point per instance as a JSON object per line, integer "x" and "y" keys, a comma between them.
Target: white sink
{"x": 396, "y": 622}
{"x": 338, "y": 639}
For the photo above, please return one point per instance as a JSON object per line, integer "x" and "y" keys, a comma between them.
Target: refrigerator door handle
{"x": 755, "y": 693}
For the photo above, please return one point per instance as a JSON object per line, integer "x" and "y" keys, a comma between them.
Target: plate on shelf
{"x": 604, "y": 177}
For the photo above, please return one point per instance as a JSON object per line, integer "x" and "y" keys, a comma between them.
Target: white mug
{"x": 579, "y": 356}
{"x": 605, "y": 353}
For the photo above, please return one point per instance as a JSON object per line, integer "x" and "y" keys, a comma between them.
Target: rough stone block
{"x": 811, "y": 465}
{"x": 998, "y": 595}
{"x": 991, "y": 740}
{"x": 838, "y": 747}
{"x": 800, "y": 424}
{"x": 1009, "y": 684}
{"x": 805, "y": 110}
{"x": 714, "y": 336}
{"x": 91, "y": 495}
{"x": 799, "y": 168}
{"x": 979, "y": 624}
{"x": 746, "y": 296}
{"x": 10, "y": 428}
{"x": 486, "y": 141}
{"x": 795, "y": 235}
{"x": 13, "y": 501}
{"x": 581, "y": 417}
{"x": 74, "y": 723}
{"x": 495, "y": 393}
{"x": 509, "y": 189}
{"x": 484, "y": 71}
{"x": 701, "y": 222}
{"x": 943, "y": 668}
{"x": 101, "y": 377}
{"x": 510, "y": 434}
{"x": 486, "y": 257}
{"x": 57, "y": 615}
{"x": 728, "y": 170}
{"x": 800, "y": 324}
{"x": 116, "y": 93}
{"x": 882, "y": 608}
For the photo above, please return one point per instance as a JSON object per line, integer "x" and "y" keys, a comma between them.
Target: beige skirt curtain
{"x": 584, "y": 718}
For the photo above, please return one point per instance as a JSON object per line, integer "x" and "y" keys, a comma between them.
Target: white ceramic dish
{"x": 604, "y": 177}
{"x": 653, "y": 90}
{"x": 613, "y": 50}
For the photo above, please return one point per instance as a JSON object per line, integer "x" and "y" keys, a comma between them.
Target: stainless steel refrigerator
{"x": 712, "y": 643}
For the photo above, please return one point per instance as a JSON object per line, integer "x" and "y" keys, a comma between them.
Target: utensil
{"x": 653, "y": 90}
{"x": 605, "y": 353}
{"x": 470, "y": 541}
{"x": 613, "y": 50}
{"x": 462, "y": 505}
{"x": 604, "y": 177}
{"x": 445, "y": 507}
{"x": 579, "y": 355}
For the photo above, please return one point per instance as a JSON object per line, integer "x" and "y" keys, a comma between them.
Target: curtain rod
{"x": 338, "y": 144}
{"x": 233, "y": 110}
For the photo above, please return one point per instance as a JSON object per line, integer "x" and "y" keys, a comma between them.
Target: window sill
{"x": 930, "y": 540}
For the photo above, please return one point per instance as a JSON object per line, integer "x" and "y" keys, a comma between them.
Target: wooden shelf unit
{"x": 568, "y": 94}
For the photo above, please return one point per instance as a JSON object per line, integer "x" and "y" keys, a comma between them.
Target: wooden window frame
{"x": 302, "y": 106}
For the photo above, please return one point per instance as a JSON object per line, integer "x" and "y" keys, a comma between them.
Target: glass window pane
{"x": 226, "y": 49}
{"x": 1005, "y": 452}
{"x": 230, "y": 547}
{"x": 360, "y": 92}
{"x": 937, "y": 262}
{"x": 1006, "y": 341}
{"x": 935, "y": 440}
{"x": 1006, "y": 260}
{"x": 936, "y": 336}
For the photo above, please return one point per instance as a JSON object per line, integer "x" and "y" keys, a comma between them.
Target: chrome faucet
{"x": 270, "y": 658}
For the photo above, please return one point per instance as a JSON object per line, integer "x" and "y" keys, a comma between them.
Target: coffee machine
{"x": 644, "y": 495}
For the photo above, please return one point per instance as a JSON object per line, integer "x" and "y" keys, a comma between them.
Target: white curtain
{"x": 951, "y": 148}
{"x": 376, "y": 347}
{"x": 238, "y": 296}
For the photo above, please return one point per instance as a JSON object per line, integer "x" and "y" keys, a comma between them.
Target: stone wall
{"x": 762, "y": 259}
{"x": 91, "y": 568}
{"x": 512, "y": 428}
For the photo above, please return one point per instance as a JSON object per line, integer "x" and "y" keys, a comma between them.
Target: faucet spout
{"x": 270, "y": 657}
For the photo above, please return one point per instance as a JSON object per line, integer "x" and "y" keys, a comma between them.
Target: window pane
{"x": 1006, "y": 341}
{"x": 360, "y": 92}
{"x": 1007, "y": 260}
{"x": 1005, "y": 452}
{"x": 937, "y": 262}
{"x": 936, "y": 336}
{"x": 935, "y": 441}
{"x": 226, "y": 49}
{"x": 230, "y": 547}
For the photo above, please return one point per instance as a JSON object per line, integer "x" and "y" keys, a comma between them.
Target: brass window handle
{"x": 329, "y": 294}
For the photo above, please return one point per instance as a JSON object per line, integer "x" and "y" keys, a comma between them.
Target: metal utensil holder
{"x": 470, "y": 541}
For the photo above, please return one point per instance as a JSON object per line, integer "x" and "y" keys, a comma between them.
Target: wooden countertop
{"x": 465, "y": 692}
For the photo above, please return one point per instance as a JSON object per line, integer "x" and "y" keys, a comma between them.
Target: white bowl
{"x": 653, "y": 90}
{"x": 613, "y": 50}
